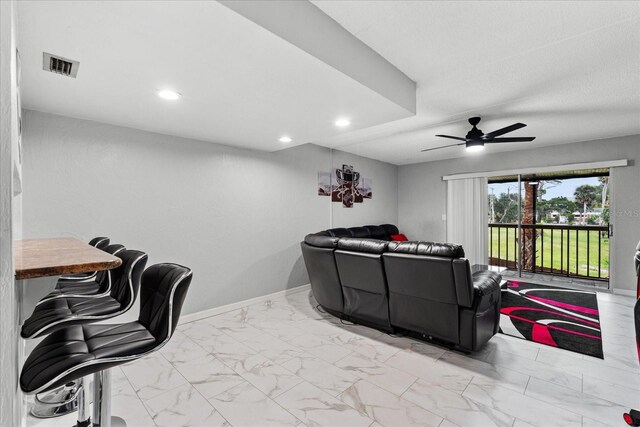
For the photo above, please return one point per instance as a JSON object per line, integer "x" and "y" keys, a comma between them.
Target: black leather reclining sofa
{"x": 425, "y": 289}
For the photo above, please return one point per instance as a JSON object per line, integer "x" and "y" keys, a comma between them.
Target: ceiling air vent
{"x": 59, "y": 65}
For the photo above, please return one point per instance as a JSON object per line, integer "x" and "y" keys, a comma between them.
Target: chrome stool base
{"x": 56, "y": 403}
{"x": 40, "y": 410}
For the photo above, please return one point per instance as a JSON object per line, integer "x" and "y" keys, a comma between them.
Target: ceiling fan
{"x": 475, "y": 139}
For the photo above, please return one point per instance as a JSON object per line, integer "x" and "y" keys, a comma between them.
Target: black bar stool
{"x": 62, "y": 401}
{"x": 77, "y": 351}
{"x": 56, "y": 313}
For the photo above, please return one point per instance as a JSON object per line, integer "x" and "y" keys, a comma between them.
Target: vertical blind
{"x": 467, "y": 217}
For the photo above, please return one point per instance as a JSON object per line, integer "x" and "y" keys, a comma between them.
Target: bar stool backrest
{"x": 100, "y": 242}
{"x": 163, "y": 290}
{"x": 125, "y": 279}
{"x": 103, "y": 277}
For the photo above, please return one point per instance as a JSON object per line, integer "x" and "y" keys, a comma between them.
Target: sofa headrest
{"x": 374, "y": 231}
{"x": 403, "y": 247}
{"x": 390, "y": 229}
{"x": 339, "y": 232}
{"x": 320, "y": 240}
{"x": 448, "y": 250}
{"x": 359, "y": 232}
{"x": 355, "y": 244}
{"x": 377, "y": 232}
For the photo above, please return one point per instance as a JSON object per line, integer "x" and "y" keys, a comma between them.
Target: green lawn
{"x": 543, "y": 244}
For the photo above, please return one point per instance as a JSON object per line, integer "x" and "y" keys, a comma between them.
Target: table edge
{"x": 33, "y": 273}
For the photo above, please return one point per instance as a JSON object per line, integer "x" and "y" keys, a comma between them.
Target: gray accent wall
{"x": 422, "y": 193}
{"x": 235, "y": 216}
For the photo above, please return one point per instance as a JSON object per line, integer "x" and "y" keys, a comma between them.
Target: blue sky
{"x": 566, "y": 188}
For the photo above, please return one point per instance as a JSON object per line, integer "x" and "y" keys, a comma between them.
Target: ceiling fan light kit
{"x": 475, "y": 146}
{"x": 475, "y": 139}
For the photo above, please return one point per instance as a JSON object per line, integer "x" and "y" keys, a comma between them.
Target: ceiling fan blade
{"x": 446, "y": 146}
{"x": 452, "y": 137}
{"x": 502, "y": 131}
{"x": 516, "y": 139}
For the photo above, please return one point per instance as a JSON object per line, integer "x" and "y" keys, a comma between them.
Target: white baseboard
{"x": 236, "y": 305}
{"x": 627, "y": 292}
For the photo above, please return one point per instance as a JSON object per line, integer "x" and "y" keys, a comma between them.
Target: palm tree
{"x": 604, "y": 182}
{"x": 585, "y": 195}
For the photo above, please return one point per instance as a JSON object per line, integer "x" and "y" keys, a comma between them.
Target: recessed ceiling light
{"x": 285, "y": 139}
{"x": 341, "y": 123}
{"x": 169, "y": 94}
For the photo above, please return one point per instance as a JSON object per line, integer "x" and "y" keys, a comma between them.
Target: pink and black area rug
{"x": 559, "y": 317}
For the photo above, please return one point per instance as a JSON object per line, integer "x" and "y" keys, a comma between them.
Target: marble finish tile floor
{"x": 286, "y": 363}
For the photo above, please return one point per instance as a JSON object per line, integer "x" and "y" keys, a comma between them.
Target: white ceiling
{"x": 569, "y": 70}
{"x": 241, "y": 84}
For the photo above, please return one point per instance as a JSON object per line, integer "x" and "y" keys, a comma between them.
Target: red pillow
{"x": 399, "y": 238}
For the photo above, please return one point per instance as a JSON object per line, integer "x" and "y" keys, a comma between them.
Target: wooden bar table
{"x": 59, "y": 256}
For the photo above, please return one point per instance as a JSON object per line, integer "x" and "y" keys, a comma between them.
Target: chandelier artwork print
{"x": 344, "y": 186}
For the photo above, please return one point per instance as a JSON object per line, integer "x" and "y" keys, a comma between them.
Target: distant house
{"x": 583, "y": 217}
{"x": 557, "y": 218}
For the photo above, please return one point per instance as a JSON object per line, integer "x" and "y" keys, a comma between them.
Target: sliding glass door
{"x": 551, "y": 224}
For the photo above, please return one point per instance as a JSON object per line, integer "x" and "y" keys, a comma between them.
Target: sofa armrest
{"x": 486, "y": 286}
{"x": 486, "y": 282}
{"x": 480, "y": 322}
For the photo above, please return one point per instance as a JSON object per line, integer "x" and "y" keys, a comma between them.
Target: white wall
{"x": 10, "y": 218}
{"x": 422, "y": 193}
{"x": 236, "y": 217}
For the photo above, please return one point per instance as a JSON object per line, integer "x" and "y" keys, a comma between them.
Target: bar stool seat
{"x": 67, "y": 350}
{"x": 75, "y": 288}
{"x": 69, "y": 311}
